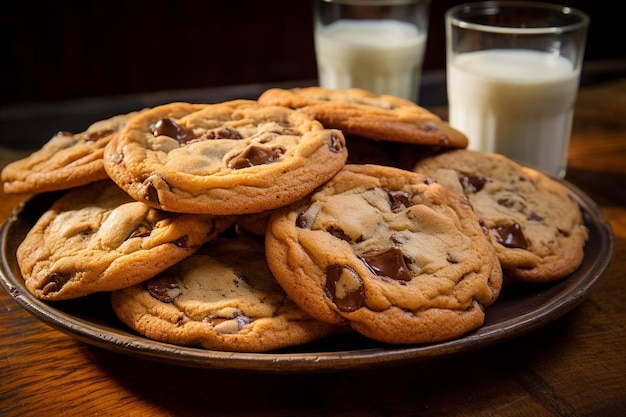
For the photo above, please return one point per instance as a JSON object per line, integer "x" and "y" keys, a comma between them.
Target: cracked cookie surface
{"x": 97, "y": 238}
{"x": 391, "y": 252}
{"x": 236, "y": 157}
{"x": 223, "y": 297}
{"x": 536, "y": 225}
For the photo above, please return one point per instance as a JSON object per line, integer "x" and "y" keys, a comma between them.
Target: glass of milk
{"x": 513, "y": 70}
{"x": 376, "y": 45}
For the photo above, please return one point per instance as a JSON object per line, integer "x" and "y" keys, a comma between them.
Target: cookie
{"x": 361, "y": 113}
{"x": 236, "y": 157}
{"x": 67, "y": 160}
{"x": 222, "y": 298}
{"x": 535, "y": 223}
{"x": 390, "y": 252}
{"x": 97, "y": 238}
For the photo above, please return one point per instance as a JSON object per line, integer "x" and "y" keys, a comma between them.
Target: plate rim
{"x": 276, "y": 362}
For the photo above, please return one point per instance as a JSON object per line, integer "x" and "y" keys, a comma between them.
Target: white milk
{"x": 382, "y": 56}
{"x": 515, "y": 102}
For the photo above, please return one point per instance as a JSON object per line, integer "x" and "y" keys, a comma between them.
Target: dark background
{"x": 76, "y": 49}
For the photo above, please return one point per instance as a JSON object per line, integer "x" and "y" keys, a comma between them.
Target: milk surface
{"x": 382, "y": 56}
{"x": 515, "y": 102}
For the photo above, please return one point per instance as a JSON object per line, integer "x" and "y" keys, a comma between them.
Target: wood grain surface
{"x": 574, "y": 366}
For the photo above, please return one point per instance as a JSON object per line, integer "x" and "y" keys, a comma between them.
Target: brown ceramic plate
{"x": 520, "y": 309}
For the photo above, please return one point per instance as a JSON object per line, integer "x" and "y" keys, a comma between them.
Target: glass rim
{"x": 583, "y": 18}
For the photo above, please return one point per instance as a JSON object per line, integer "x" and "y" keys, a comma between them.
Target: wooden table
{"x": 574, "y": 366}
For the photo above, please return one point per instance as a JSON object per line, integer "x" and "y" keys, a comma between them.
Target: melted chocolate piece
{"x": 254, "y": 155}
{"x": 92, "y": 137}
{"x": 142, "y": 230}
{"x": 388, "y": 263}
{"x": 168, "y": 127}
{"x": 240, "y": 319}
{"x": 164, "y": 288}
{"x": 214, "y": 321}
{"x": 473, "y": 183}
{"x": 338, "y": 233}
{"x": 350, "y": 301}
{"x": 511, "y": 236}
{"x": 152, "y": 194}
{"x": 335, "y": 145}
{"x": 399, "y": 200}
{"x": 56, "y": 281}
{"x": 302, "y": 220}
{"x": 222, "y": 133}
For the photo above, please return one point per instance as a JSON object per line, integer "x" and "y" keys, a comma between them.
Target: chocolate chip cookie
{"x": 535, "y": 224}
{"x": 237, "y": 157}
{"x": 97, "y": 238}
{"x": 391, "y": 252}
{"x": 364, "y": 114}
{"x": 223, "y": 297}
{"x": 67, "y": 160}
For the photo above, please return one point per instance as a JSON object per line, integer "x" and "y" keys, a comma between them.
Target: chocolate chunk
{"x": 214, "y": 321}
{"x": 164, "y": 288}
{"x": 388, "y": 263}
{"x": 511, "y": 236}
{"x": 338, "y": 233}
{"x": 335, "y": 145}
{"x": 399, "y": 200}
{"x": 143, "y": 230}
{"x": 399, "y": 238}
{"x": 151, "y": 194}
{"x": 242, "y": 321}
{"x": 223, "y": 132}
{"x": 302, "y": 220}
{"x": 473, "y": 183}
{"x": 345, "y": 288}
{"x": 254, "y": 155}
{"x": 305, "y": 218}
{"x": 56, "y": 281}
{"x": 168, "y": 127}
{"x": 92, "y": 137}
{"x": 223, "y": 324}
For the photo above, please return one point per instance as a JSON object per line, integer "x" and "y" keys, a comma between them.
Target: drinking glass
{"x": 513, "y": 70}
{"x": 376, "y": 45}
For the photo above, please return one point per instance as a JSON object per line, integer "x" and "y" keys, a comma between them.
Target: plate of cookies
{"x": 308, "y": 230}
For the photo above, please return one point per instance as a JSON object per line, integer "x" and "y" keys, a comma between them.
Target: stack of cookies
{"x": 253, "y": 225}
